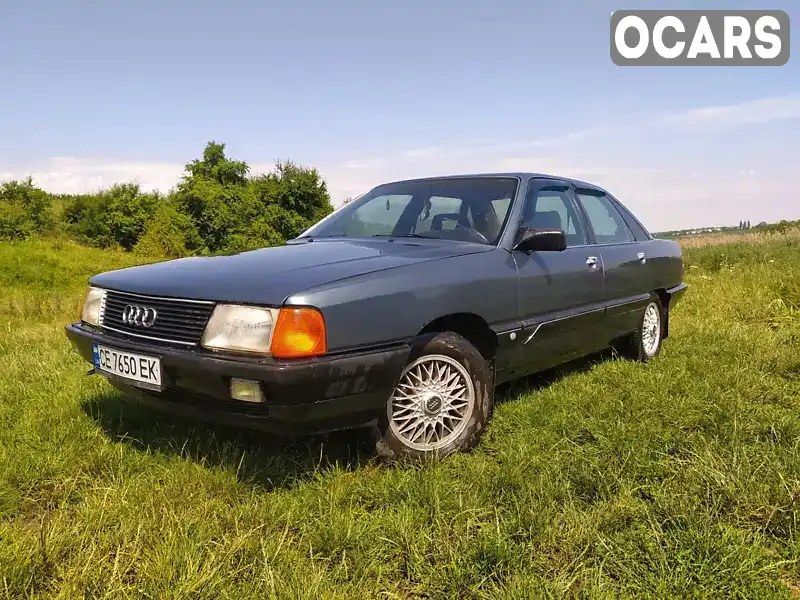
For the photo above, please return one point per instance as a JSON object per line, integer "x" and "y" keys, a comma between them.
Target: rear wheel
{"x": 441, "y": 403}
{"x": 645, "y": 343}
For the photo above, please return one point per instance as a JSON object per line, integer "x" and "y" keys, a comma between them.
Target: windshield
{"x": 469, "y": 209}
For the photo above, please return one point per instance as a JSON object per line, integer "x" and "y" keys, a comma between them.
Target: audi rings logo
{"x": 139, "y": 316}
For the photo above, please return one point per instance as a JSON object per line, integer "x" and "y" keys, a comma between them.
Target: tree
{"x": 288, "y": 200}
{"x": 216, "y": 166}
{"x": 233, "y": 211}
{"x": 25, "y": 210}
{"x": 211, "y": 192}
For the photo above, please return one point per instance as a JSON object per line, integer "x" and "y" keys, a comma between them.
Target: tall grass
{"x": 45, "y": 278}
{"x": 676, "y": 479}
{"x": 744, "y": 237}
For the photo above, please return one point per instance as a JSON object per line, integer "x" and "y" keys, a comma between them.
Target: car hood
{"x": 270, "y": 275}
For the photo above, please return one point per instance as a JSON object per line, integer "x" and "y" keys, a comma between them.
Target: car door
{"x": 560, "y": 292}
{"x": 628, "y": 280}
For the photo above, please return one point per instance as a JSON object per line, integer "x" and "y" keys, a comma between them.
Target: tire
{"x": 644, "y": 344}
{"x": 451, "y": 384}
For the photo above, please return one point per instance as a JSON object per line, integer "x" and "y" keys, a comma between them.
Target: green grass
{"x": 676, "y": 479}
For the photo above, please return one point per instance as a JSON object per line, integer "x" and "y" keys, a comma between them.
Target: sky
{"x": 95, "y": 92}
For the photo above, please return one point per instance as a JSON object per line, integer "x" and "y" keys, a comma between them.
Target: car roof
{"x": 518, "y": 174}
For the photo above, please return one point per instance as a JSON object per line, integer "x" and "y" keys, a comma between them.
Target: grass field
{"x": 676, "y": 479}
{"x": 736, "y": 237}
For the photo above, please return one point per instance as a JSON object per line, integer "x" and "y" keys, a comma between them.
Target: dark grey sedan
{"x": 401, "y": 311}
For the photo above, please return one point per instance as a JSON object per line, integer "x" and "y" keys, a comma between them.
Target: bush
{"x": 217, "y": 207}
{"x": 171, "y": 234}
{"x": 113, "y": 217}
{"x": 25, "y": 210}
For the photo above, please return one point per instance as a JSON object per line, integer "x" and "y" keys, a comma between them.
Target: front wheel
{"x": 441, "y": 403}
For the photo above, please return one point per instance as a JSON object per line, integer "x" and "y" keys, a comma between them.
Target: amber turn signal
{"x": 299, "y": 332}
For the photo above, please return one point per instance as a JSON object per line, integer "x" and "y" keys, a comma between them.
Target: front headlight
{"x": 243, "y": 328}
{"x": 91, "y": 305}
{"x": 289, "y": 332}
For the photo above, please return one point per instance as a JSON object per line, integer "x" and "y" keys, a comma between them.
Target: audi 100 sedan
{"x": 400, "y": 312}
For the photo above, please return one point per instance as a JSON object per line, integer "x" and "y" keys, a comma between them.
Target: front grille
{"x": 178, "y": 321}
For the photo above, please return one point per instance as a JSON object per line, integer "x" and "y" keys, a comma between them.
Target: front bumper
{"x": 301, "y": 396}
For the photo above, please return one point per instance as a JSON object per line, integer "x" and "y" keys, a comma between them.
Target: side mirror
{"x": 542, "y": 240}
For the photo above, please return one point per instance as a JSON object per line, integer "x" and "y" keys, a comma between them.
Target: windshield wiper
{"x": 403, "y": 235}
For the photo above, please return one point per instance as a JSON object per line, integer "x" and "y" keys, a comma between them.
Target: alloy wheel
{"x": 651, "y": 329}
{"x": 432, "y": 402}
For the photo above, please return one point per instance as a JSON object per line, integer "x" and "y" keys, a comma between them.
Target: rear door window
{"x": 607, "y": 223}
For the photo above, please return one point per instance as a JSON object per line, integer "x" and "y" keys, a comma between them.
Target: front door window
{"x": 552, "y": 208}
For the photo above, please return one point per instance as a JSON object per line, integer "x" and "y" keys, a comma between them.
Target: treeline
{"x": 779, "y": 227}
{"x": 762, "y": 227}
{"x": 217, "y": 207}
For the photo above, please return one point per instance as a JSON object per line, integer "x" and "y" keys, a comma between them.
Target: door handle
{"x": 592, "y": 262}
{"x": 642, "y": 257}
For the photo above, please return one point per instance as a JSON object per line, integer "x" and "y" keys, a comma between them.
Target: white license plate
{"x": 137, "y": 369}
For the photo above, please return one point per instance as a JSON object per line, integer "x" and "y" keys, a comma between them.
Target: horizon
{"x": 109, "y": 94}
{"x": 254, "y": 173}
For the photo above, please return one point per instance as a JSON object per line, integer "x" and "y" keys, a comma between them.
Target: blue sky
{"x": 97, "y": 92}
